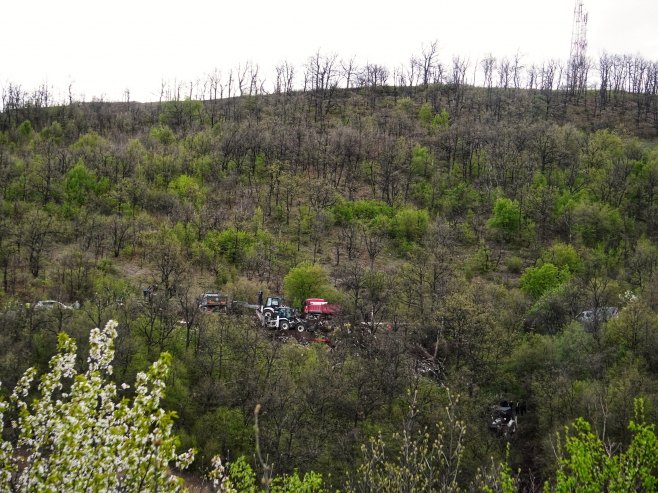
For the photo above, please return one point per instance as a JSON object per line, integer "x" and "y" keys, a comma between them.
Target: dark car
{"x": 503, "y": 418}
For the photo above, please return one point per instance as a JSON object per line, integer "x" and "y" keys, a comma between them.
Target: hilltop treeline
{"x": 463, "y": 230}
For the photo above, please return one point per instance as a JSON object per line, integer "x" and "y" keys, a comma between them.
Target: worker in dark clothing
{"x": 260, "y": 298}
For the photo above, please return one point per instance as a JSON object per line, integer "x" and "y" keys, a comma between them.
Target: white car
{"x": 49, "y": 304}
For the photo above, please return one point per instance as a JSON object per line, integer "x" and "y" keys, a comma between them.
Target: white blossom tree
{"x": 72, "y": 433}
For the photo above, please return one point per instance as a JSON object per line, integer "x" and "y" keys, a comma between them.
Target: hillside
{"x": 498, "y": 242}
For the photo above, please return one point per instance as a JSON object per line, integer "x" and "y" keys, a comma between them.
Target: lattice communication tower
{"x": 579, "y": 33}
{"x": 577, "y": 57}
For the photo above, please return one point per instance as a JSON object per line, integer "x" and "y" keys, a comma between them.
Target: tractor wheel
{"x": 300, "y": 328}
{"x": 267, "y": 315}
{"x": 284, "y": 325}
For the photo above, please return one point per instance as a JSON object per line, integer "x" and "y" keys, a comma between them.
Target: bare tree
{"x": 605, "y": 64}
{"x": 458, "y": 80}
{"x": 533, "y": 77}
{"x": 321, "y": 78}
{"x": 412, "y": 72}
{"x": 348, "y": 71}
{"x": 488, "y": 66}
{"x": 429, "y": 56}
{"x": 504, "y": 73}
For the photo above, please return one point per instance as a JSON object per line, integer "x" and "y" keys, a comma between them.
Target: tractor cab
{"x": 286, "y": 312}
{"x": 273, "y": 302}
{"x": 271, "y": 306}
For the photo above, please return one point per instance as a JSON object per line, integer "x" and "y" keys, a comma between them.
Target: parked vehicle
{"x": 318, "y": 308}
{"x": 285, "y": 318}
{"x": 271, "y": 307}
{"x": 593, "y": 317}
{"x": 213, "y": 302}
{"x": 50, "y": 304}
{"x": 503, "y": 419}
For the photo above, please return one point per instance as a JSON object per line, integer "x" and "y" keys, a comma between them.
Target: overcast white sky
{"x": 103, "y": 47}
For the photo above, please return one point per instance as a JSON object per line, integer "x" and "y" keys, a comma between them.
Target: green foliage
{"x": 80, "y": 184}
{"x": 585, "y": 464}
{"x": 604, "y": 146}
{"x": 186, "y": 233}
{"x": 416, "y": 460}
{"x": 425, "y": 114}
{"x": 224, "y": 431}
{"x": 506, "y": 218}
{"x": 441, "y": 120}
{"x": 232, "y": 245}
{"x": 563, "y": 256}
{"x": 310, "y": 482}
{"x": 242, "y": 475}
{"x": 394, "y": 208}
{"x": 162, "y": 134}
{"x": 188, "y": 189}
{"x": 53, "y": 133}
{"x": 307, "y": 280}
{"x": 458, "y": 201}
{"x": 347, "y": 212}
{"x": 514, "y": 264}
{"x": 25, "y": 132}
{"x": 597, "y": 224}
{"x": 409, "y": 226}
{"x": 428, "y": 119}
{"x": 537, "y": 281}
{"x": 180, "y": 112}
{"x": 482, "y": 261}
{"x": 634, "y": 332}
{"x": 498, "y": 478}
{"x": 643, "y": 262}
{"x": 421, "y": 161}
{"x": 241, "y": 478}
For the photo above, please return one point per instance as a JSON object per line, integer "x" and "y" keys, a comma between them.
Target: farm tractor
{"x": 285, "y": 318}
{"x": 315, "y": 312}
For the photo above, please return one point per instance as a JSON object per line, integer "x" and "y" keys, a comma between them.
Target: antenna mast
{"x": 577, "y": 70}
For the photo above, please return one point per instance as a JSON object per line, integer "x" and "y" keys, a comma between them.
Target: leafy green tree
{"x": 307, "y": 280}
{"x": 188, "y": 189}
{"x": 239, "y": 477}
{"x": 80, "y": 184}
{"x": 535, "y": 281}
{"x": 162, "y": 134}
{"x": 597, "y": 224}
{"x": 425, "y": 114}
{"x": 409, "y": 226}
{"x": 643, "y": 262}
{"x": 635, "y": 330}
{"x": 507, "y": 219}
{"x": 25, "y": 132}
{"x": 562, "y": 255}
{"x": 421, "y": 161}
{"x": 232, "y": 245}
{"x": 587, "y": 465}
{"x": 441, "y": 120}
